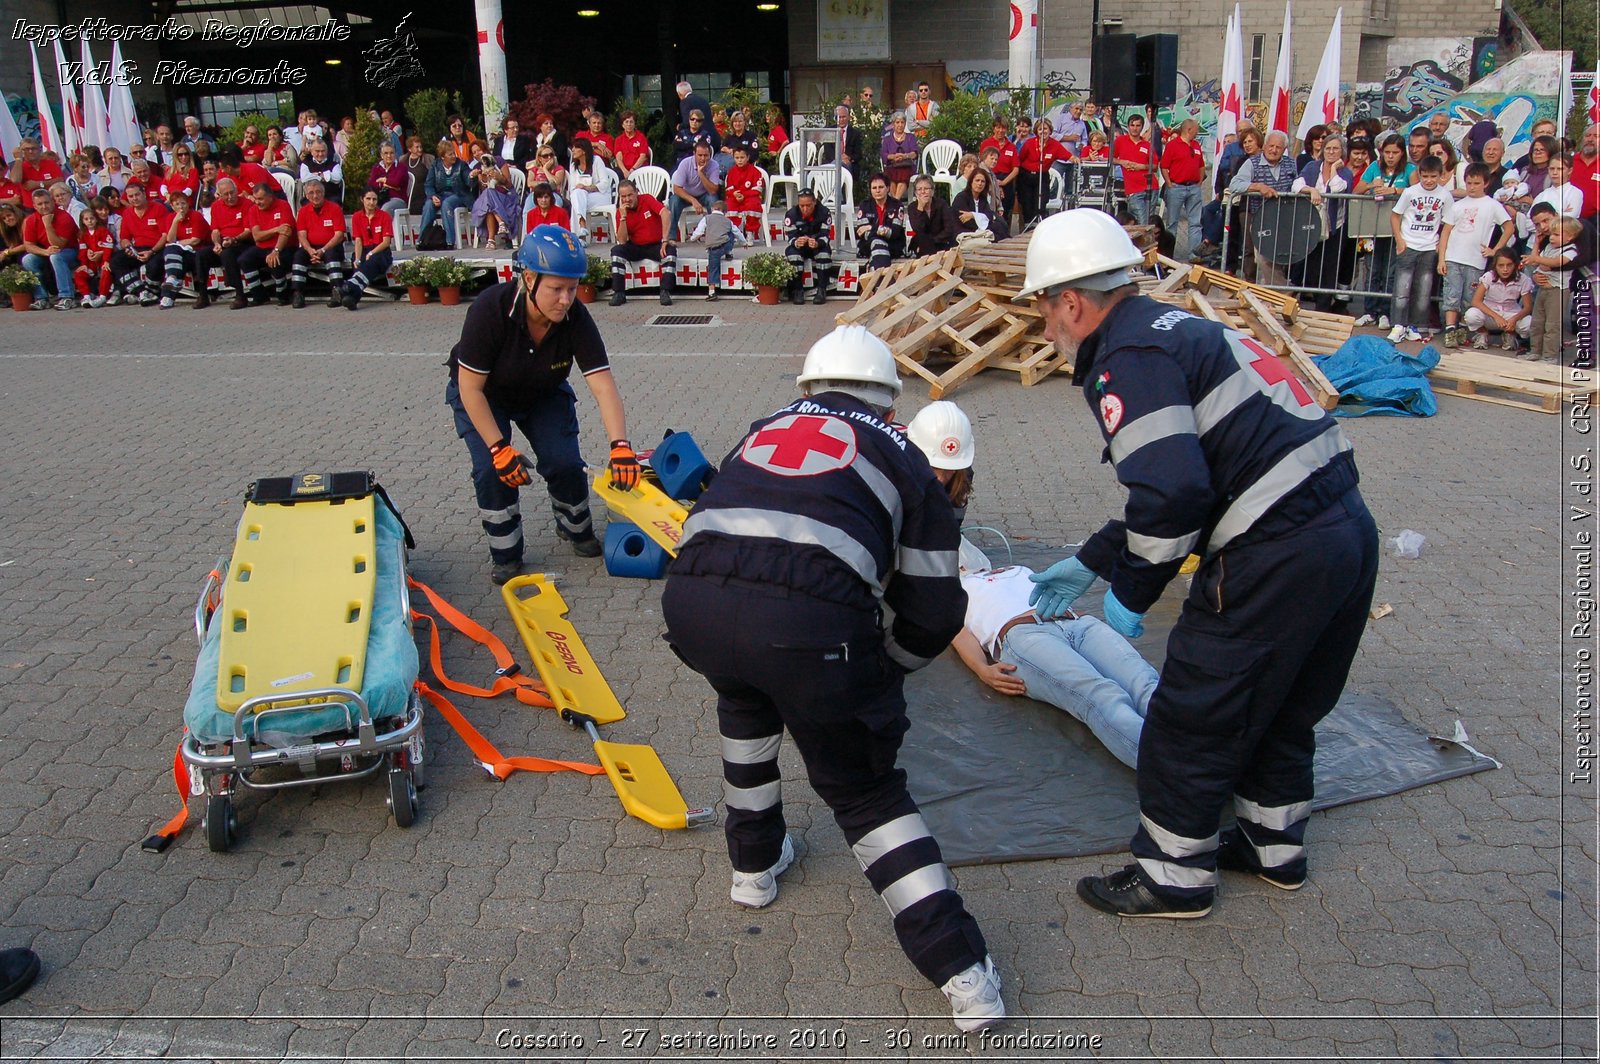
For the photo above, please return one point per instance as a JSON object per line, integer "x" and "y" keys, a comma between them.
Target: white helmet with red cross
{"x": 1083, "y": 248}
{"x": 851, "y": 360}
{"x": 944, "y": 433}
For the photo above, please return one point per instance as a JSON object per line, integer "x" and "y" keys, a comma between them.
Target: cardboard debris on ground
{"x": 1380, "y": 611}
{"x": 947, "y": 317}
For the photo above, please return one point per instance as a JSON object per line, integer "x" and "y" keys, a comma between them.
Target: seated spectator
{"x": 81, "y": 181}
{"x": 543, "y": 209}
{"x": 372, "y": 236}
{"x": 194, "y": 136}
{"x": 114, "y": 173}
{"x": 187, "y": 235}
{"x": 547, "y": 167}
{"x": 393, "y": 131}
{"x": 278, "y": 153}
{"x": 231, "y": 236}
{"x": 11, "y": 192}
{"x": 898, "y": 154}
{"x": 33, "y": 168}
{"x": 159, "y": 154}
{"x": 272, "y": 229}
{"x": 880, "y": 226}
{"x": 964, "y": 167}
{"x": 931, "y": 222}
{"x": 341, "y": 139}
{"x": 137, "y": 262}
{"x": 417, "y": 164}
{"x": 743, "y": 191}
{"x": 739, "y": 134}
{"x": 181, "y": 176}
{"x": 511, "y": 150}
{"x": 50, "y": 246}
{"x": 320, "y": 230}
{"x": 717, "y": 231}
{"x": 140, "y": 174}
{"x": 108, "y": 209}
{"x": 388, "y": 178}
{"x": 806, "y": 226}
{"x": 777, "y": 131}
{"x": 495, "y": 210}
{"x": 202, "y": 152}
{"x": 93, "y": 272}
{"x": 719, "y": 123}
{"x": 459, "y": 135}
{"x": 319, "y": 163}
{"x": 251, "y": 147}
{"x": 695, "y": 183}
{"x": 64, "y": 200}
{"x": 312, "y": 128}
{"x": 601, "y": 144}
{"x": 631, "y": 149}
{"x": 588, "y": 187}
{"x": 547, "y": 136}
{"x": 978, "y": 207}
{"x": 448, "y": 186}
{"x": 247, "y": 175}
{"x": 684, "y": 141}
{"x": 1502, "y": 302}
{"x": 209, "y": 172}
{"x": 641, "y": 234}
{"x": 11, "y": 246}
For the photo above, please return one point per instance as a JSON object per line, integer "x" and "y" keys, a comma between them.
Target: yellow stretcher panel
{"x": 297, "y": 604}
{"x": 657, "y": 515}
{"x": 570, "y": 675}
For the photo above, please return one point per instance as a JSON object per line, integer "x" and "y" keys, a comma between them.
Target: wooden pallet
{"x": 1506, "y": 381}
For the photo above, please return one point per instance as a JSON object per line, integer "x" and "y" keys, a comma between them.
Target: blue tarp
{"x": 1375, "y": 377}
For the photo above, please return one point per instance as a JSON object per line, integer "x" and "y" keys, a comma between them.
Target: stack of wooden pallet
{"x": 1538, "y": 386}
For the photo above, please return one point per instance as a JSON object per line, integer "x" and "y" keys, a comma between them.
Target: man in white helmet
{"x": 1225, "y": 454}
{"x": 820, "y": 517}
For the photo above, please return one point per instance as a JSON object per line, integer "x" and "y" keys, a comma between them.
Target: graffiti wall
{"x": 1061, "y": 77}
{"x": 1513, "y": 96}
{"x": 1424, "y": 72}
{"x": 24, "y": 113}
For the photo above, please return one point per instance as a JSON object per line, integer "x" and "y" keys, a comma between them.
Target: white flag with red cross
{"x": 1323, "y": 106}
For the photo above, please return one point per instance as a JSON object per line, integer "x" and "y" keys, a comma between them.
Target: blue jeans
{"x": 679, "y": 205}
{"x": 550, "y": 422}
{"x": 1380, "y": 276}
{"x": 1183, "y": 203}
{"x": 714, "y": 261}
{"x": 60, "y": 265}
{"x": 1139, "y": 206}
{"x": 1085, "y": 668}
{"x": 1413, "y": 286}
{"x": 445, "y": 212}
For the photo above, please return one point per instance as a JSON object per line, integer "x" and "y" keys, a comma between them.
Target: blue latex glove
{"x": 1122, "y": 620}
{"x": 1059, "y": 587}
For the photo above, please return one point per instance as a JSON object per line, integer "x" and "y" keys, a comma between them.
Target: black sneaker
{"x": 821, "y": 295}
{"x": 284, "y": 299}
{"x": 500, "y": 572}
{"x": 298, "y": 300}
{"x": 584, "y": 547}
{"x": 1234, "y": 855}
{"x": 18, "y": 969}
{"x": 617, "y": 299}
{"x": 335, "y": 300}
{"x": 1128, "y": 893}
{"x": 666, "y": 298}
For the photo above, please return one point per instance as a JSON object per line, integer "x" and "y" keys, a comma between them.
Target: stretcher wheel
{"x": 402, "y": 797}
{"x": 221, "y": 823}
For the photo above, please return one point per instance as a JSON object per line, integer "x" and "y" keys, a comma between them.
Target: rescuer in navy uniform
{"x": 821, "y": 516}
{"x": 1224, "y": 454}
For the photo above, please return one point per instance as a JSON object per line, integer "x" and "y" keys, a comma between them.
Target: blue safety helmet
{"x": 552, "y": 250}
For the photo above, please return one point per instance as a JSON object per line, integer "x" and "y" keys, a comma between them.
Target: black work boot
{"x": 797, "y": 291}
{"x": 619, "y": 285}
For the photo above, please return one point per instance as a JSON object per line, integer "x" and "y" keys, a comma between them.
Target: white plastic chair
{"x": 939, "y": 160}
{"x": 519, "y": 181}
{"x": 652, "y": 181}
{"x": 844, "y": 214}
{"x": 464, "y": 229}
{"x": 606, "y": 182}
{"x": 1058, "y": 192}
{"x": 788, "y": 172}
{"x": 766, "y": 206}
{"x": 291, "y": 187}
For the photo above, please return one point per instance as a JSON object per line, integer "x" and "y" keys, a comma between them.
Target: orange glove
{"x": 510, "y": 465}
{"x": 624, "y": 465}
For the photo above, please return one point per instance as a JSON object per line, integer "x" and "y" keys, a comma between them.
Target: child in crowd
{"x": 1552, "y": 279}
{"x": 743, "y": 190}
{"x": 1560, "y": 193}
{"x": 1417, "y": 221}
{"x": 719, "y": 234}
{"x": 95, "y": 244}
{"x": 1475, "y": 228}
{"x": 1504, "y": 301}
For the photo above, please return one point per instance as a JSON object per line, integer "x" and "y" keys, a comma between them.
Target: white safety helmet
{"x": 1083, "y": 247}
{"x": 851, "y": 360}
{"x": 943, "y": 433}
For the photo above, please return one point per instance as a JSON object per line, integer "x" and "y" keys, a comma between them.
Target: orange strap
{"x": 169, "y": 831}
{"x": 497, "y": 764}
{"x": 528, "y": 690}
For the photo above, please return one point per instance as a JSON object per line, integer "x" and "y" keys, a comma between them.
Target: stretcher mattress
{"x": 390, "y": 667}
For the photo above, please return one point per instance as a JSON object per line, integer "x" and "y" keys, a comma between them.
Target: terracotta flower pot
{"x": 417, "y": 293}
{"x": 21, "y": 300}
{"x": 449, "y": 295}
{"x": 587, "y": 293}
{"x": 767, "y": 295}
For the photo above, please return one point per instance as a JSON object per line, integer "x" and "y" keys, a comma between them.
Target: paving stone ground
{"x": 1453, "y": 922}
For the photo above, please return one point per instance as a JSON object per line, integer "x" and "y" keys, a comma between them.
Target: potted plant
{"x": 448, "y": 275}
{"x": 770, "y": 273}
{"x": 596, "y": 277}
{"x": 413, "y": 273}
{"x": 19, "y": 283}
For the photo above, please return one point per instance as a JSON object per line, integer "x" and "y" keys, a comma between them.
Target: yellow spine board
{"x": 657, "y": 515}
{"x": 297, "y": 602}
{"x": 569, "y": 672}
{"x": 643, "y": 784}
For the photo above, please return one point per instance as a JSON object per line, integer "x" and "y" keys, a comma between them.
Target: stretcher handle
{"x": 581, "y": 720}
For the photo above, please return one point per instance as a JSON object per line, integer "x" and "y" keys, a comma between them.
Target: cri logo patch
{"x": 1110, "y": 412}
{"x": 568, "y": 658}
{"x": 950, "y": 446}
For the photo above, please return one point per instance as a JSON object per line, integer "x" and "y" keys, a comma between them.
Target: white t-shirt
{"x": 1566, "y": 198}
{"x": 1422, "y": 216}
{"x": 1474, "y": 223}
{"x": 995, "y": 596}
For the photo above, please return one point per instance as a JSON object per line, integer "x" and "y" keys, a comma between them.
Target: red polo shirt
{"x": 65, "y": 228}
{"x": 1038, "y": 154}
{"x": 644, "y": 222}
{"x": 276, "y": 214}
{"x": 9, "y": 190}
{"x": 1184, "y": 161}
{"x": 1586, "y": 176}
{"x": 253, "y": 153}
{"x": 228, "y": 222}
{"x": 320, "y": 225}
{"x": 146, "y": 231}
{"x": 188, "y": 184}
{"x": 370, "y": 231}
{"x": 1008, "y": 154}
{"x": 44, "y": 170}
{"x": 251, "y": 175}
{"x": 601, "y": 138}
{"x": 630, "y": 148}
{"x": 1134, "y": 179}
{"x": 193, "y": 227}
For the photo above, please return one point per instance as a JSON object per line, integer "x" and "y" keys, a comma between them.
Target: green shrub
{"x": 413, "y": 271}
{"x": 599, "y": 272}
{"x": 448, "y": 273}
{"x": 965, "y": 118}
{"x": 658, "y": 132}
{"x": 234, "y": 134}
{"x": 361, "y": 155}
{"x": 768, "y": 268}
{"x": 427, "y": 111}
{"x": 17, "y": 279}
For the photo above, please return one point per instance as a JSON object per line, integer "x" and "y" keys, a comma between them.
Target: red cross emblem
{"x": 646, "y": 274}
{"x": 730, "y": 276}
{"x": 847, "y": 277}
{"x": 1273, "y": 371}
{"x": 802, "y": 445}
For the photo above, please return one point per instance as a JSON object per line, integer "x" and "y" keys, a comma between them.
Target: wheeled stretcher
{"x": 307, "y": 671}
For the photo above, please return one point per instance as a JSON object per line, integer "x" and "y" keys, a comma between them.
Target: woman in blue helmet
{"x": 517, "y": 348}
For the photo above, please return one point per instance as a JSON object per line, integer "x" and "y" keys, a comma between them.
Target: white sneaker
{"x": 1365, "y": 319}
{"x": 85, "y": 302}
{"x": 64, "y": 303}
{"x": 1383, "y": 321}
{"x": 1412, "y": 336}
{"x": 113, "y": 299}
{"x": 97, "y": 302}
{"x": 166, "y": 303}
{"x": 757, "y": 890}
{"x": 974, "y": 995}
{"x": 1397, "y": 334}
